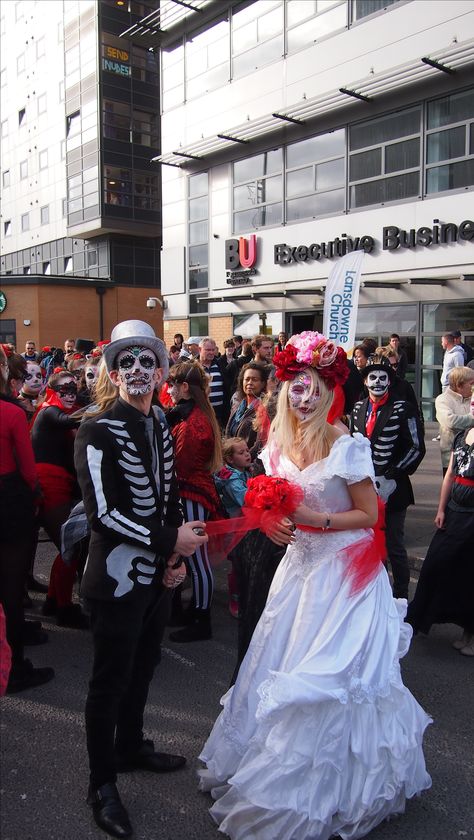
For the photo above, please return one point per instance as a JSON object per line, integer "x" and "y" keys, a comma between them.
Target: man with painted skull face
{"x": 396, "y": 438}
{"x": 124, "y": 461}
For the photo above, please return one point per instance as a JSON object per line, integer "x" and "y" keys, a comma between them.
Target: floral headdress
{"x": 312, "y": 349}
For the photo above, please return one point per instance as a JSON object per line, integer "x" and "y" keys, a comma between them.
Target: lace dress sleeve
{"x": 351, "y": 459}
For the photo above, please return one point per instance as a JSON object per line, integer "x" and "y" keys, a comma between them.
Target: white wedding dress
{"x": 319, "y": 736}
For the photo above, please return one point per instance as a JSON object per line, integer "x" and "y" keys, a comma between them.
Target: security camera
{"x": 151, "y": 303}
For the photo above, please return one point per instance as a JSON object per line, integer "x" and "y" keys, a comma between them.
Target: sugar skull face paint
{"x": 136, "y": 370}
{"x": 91, "y": 374}
{"x": 303, "y": 396}
{"x": 33, "y": 379}
{"x": 377, "y": 383}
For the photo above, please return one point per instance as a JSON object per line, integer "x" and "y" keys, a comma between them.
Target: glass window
{"x": 64, "y": 207}
{"x": 199, "y": 325}
{"x": 172, "y": 77}
{"x": 386, "y": 189}
{"x": 40, "y": 48}
{"x": 267, "y": 163}
{"x": 44, "y": 213}
{"x": 198, "y": 184}
{"x": 457, "y": 107}
{"x": 259, "y": 191}
{"x": 198, "y": 278}
{"x": 43, "y": 159}
{"x": 450, "y": 143}
{"x": 24, "y": 169}
{"x": 7, "y": 228}
{"x": 73, "y": 124}
{"x": 47, "y": 268}
{"x": 257, "y": 36}
{"x": 20, "y": 64}
{"x": 271, "y": 214}
{"x": 320, "y": 19}
{"x": 6, "y": 178}
{"x": 198, "y": 235}
{"x": 118, "y": 186}
{"x": 67, "y": 265}
{"x": 3, "y": 76}
{"x": 25, "y": 221}
{"x": 21, "y": 115}
{"x": 198, "y": 255}
{"x": 208, "y": 59}
{"x": 385, "y": 157}
{"x": 42, "y": 104}
{"x": 321, "y": 185}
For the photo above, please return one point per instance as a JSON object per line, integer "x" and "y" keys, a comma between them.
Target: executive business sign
{"x": 393, "y": 237}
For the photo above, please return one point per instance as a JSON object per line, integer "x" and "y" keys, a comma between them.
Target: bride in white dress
{"x": 318, "y": 736}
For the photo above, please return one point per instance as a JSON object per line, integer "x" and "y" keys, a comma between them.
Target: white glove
{"x": 385, "y": 486}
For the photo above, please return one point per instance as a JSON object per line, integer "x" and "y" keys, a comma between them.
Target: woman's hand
{"x": 282, "y": 533}
{"x": 303, "y": 515}
{"x": 440, "y": 518}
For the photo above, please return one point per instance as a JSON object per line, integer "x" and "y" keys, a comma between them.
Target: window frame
{"x": 383, "y": 145}
{"x": 429, "y": 132}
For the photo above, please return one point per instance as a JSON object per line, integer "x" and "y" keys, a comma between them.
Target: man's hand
{"x": 174, "y": 575}
{"x": 188, "y": 541}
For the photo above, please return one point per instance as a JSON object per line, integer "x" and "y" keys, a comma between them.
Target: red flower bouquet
{"x": 269, "y": 493}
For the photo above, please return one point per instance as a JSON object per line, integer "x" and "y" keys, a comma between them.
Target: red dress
{"x": 194, "y": 446}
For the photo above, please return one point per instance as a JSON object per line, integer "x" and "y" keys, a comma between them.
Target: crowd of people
{"x": 132, "y": 456}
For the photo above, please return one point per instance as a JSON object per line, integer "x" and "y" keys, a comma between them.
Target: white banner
{"x": 342, "y": 299}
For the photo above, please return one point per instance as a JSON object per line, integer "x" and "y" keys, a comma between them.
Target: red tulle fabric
{"x": 270, "y": 499}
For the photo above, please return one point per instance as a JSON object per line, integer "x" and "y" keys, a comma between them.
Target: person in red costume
{"x": 18, "y": 497}
{"x": 198, "y": 453}
{"x": 52, "y": 435}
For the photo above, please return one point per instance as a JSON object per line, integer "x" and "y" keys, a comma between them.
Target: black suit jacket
{"x": 133, "y": 524}
{"x": 397, "y": 445}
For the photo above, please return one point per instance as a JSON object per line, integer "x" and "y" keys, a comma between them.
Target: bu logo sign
{"x": 240, "y": 253}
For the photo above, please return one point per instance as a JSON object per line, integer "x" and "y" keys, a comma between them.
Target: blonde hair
{"x": 228, "y": 446}
{"x": 316, "y": 434}
{"x": 459, "y": 376}
{"x": 105, "y": 392}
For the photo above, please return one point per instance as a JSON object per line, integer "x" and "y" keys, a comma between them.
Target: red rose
{"x": 274, "y": 494}
{"x": 337, "y": 372}
{"x": 286, "y": 363}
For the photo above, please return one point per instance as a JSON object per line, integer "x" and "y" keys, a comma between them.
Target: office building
{"x": 81, "y": 218}
{"x": 317, "y": 127}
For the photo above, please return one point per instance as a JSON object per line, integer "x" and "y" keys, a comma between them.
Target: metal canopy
{"x": 259, "y": 294}
{"x": 173, "y": 19}
{"x": 456, "y": 57}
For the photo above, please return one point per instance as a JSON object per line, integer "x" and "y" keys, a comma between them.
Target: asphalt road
{"x": 44, "y": 762}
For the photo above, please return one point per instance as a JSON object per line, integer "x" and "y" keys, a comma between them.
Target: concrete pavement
{"x": 43, "y": 755}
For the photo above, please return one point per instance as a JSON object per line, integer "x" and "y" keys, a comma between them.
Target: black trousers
{"x": 397, "y": 553}
{"x": 127, "y": 644}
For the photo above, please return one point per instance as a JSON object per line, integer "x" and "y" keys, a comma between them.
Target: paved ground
{"x": 44, "y": 763}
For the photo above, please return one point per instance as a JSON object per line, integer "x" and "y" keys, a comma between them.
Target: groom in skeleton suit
{"x": 124, "y": 462}
{"x": 396, "y": 439}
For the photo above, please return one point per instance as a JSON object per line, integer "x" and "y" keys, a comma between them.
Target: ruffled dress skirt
{"x": 319, "y": 736}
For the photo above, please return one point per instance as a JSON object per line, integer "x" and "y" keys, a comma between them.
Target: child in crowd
{"x": 231, "y": 483}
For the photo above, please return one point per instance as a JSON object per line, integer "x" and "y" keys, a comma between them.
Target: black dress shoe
{"x": 23, "y": 676}
{"x": 36, "y": 585}
{"x": 147, "y": 759}
{"x": 109, "y": 813}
